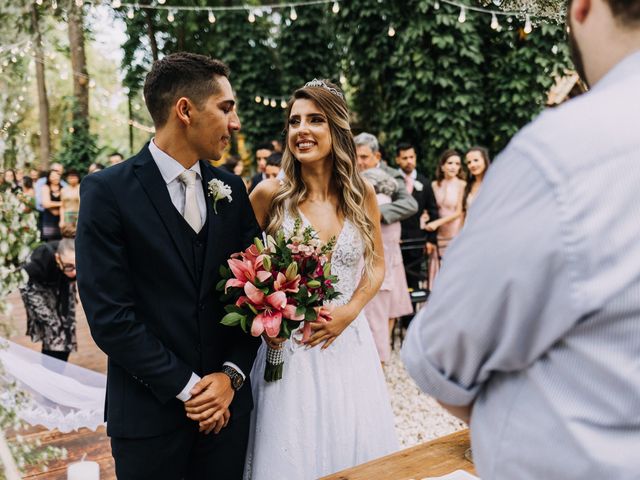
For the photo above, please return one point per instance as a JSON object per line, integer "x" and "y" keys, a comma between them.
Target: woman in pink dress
{"x": 392, "y": 300}
{"x": 448, "y": 189}
{"x": 477, "y": 161}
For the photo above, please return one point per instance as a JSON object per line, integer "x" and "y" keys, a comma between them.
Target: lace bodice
{"x": 346, "y": 260}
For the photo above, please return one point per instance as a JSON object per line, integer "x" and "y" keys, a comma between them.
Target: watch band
{"x": 236, "y": 379}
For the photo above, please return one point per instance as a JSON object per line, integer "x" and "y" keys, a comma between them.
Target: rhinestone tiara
{"x": 320, "y": 83}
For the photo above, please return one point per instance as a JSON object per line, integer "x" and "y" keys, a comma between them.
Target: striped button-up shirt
{"x": 535, "y": 315}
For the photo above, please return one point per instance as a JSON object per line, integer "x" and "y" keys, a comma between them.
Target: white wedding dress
{"x": 331, "y": 409}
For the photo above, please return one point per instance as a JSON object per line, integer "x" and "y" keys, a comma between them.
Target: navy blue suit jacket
{"x": 145, "y": 306}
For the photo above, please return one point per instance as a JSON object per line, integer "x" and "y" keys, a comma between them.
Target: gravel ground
{"x": 419, "y": 418}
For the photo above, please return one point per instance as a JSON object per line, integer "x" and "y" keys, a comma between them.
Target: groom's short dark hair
{"x": 178, "y": 75}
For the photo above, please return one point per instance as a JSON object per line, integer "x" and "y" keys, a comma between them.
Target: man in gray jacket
{"x": 403, "y": 205}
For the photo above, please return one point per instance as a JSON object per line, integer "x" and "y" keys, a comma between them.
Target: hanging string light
{"x": 212, "y": 17}
{"x": 494, "y": 22}
{"x": 283, "y": 103}
{"x": 162, "y": 2}
{"x": 54, "y": 4}
{"x": 527, "y": 24}
{"x": 79, "y": 3}
{"x": 130, "y": 13}
{"x": 171, "y": 17}
{"x": 293, "y": 16}
{"x": 463, "y": 15}
{"x": 258, "y": 99}
{"x": 436, "y": 5}
{"x": 252, "y": 17}
{"x": 336, "y": 7}
{"x": 116, "y": 3}
{"x": 38, "y": 2}
{"x": 392, "y": 31}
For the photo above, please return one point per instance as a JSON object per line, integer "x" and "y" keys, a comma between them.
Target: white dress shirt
{"x": 170, "y": 169}
{"x": 535, "y": 314}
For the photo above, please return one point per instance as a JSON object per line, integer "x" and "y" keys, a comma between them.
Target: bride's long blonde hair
{"x": 349, "y": 184}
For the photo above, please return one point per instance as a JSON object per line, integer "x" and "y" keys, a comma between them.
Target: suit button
{"x": 199, "y": 244}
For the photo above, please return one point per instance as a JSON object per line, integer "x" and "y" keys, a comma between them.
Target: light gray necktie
{"x": 191, "y": 211}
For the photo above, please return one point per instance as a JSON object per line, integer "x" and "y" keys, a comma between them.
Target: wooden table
{"x": 438, "y": 457}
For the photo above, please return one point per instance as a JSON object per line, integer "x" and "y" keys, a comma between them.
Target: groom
{"x": 149, "y": 246}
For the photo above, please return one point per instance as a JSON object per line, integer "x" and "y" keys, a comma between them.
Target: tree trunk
{"x": 151, "y": 32}
{"x": 43, "y": 101}
{"x": 79, "y": 67}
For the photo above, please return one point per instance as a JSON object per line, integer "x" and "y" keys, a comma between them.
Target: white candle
{"x": 83, "y": 471}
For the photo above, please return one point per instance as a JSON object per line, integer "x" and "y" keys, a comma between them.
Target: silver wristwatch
{"x": 236, "y": 378}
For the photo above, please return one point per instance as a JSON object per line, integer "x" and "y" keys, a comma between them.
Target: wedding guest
{"x": 233, "y": 164}
{"x": 50, "y": 296}
{"x": 392, "y": 300}
{"x": 34, "y": 174}
{"x": 27, "y": 188}
{"x": 368, "y": 156}
{"x": 533, "y": 328}
{"x": 412, "y": 228}
{"x": 9, "y": 181}
{"x": 448, "y": 189}
{"x": 95, "y": 167}
{"x": 41, "y": 182}
{"x": 51, "y": 202}
{"x": 19, "y": 176}
{"x": 273, "y": 168}
{"x": 115, "y": 158}
{"x": 477, "y": 161}
{"x": 276, "y": 146}
{"x": 262, "y": 153}
{"x": 70, "y": 200}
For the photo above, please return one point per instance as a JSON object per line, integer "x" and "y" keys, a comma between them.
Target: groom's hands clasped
{"x": 209, "y": 403}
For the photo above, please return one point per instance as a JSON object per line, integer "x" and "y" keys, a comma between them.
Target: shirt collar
{"x": 169, "y": 167}
{"x": 413, "y": 174}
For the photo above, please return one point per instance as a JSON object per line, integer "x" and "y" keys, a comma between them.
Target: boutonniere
{"x": 418, "y": 185}
{"x": 219, "y": 190}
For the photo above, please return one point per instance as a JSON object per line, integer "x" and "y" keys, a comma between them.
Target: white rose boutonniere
{"x": 219, "y": 190}
{"x": 418, "y": 185}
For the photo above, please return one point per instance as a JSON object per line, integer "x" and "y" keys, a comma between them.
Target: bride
{"x": 331, "y": 410}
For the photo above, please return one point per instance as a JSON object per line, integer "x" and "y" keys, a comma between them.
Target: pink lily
{"x": 246, "y": 270}
{"x": 282, "y": 284}
{"x": 271, "y": 310}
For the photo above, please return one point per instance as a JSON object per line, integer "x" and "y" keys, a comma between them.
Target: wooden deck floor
{"x": 94, "y": 444}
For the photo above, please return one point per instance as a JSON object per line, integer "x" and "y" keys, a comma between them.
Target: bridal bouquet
{"x": 274, "y": 288}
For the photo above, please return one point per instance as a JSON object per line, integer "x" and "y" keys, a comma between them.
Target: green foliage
{"x": 79, "y": 146}
{"x": 439, "y": 83}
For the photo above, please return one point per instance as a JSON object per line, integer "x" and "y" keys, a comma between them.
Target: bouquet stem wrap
{"x": 275, "y": 364}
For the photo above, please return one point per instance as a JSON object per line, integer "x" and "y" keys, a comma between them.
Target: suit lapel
{"x": 153, "y": 184}
{"x": 212, "y": 250}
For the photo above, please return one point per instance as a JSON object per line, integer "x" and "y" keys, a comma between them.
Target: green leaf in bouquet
{"x": 232, "y": 308}
{"x": 252, "y": 308}
{"x": 303, "y": 293}
{"x": 286, "y": 330}
{"x": 220, "y": 285}
{"x": 233, "y": 319}
{"x": 258, "y": 243}
{"x": 243, "y": 323}
{"x": 313, "y": 284}
{"x": 301, "y": 310}
{"x": 224, "y": 271}
{"x": 310, "y": 315}
{"x": 312, "y": 299}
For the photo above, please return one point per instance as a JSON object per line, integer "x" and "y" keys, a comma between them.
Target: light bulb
{"x": 527, "y": 25}
{"x": 494, "y": 22}
{"x": 293, "y": 16}
{"x": 273, "y": 103}
{"x": 54, "y": 4}
{"x": 554, "y": 49}
{"x": 283, "y": 104}
{"x": 38, "y": 2}
{"x": 116, "y": 3}
{"x": 252, "y": 17}
{"x": 265, "y": 101}
{"x": 162, "y": 2}
{"x": 463, "y": 15}
{"x": 171, "y": 17}
{"x": 212, "y": 17}
{"x": 336, "y": 7}
{"x": 130, "y": 13}
{"x": 497, "y": 3}
{"x": 436, "y": 5}
{"x": 79, "y": 3}
{"x": 392, "y": 31}
{"x": 258, "y": 99}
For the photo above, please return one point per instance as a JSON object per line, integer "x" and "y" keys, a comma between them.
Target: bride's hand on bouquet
{"x": 331, "y": 323}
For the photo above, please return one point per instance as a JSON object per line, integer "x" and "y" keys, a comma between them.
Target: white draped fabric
{"x": 59, "y": 394}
